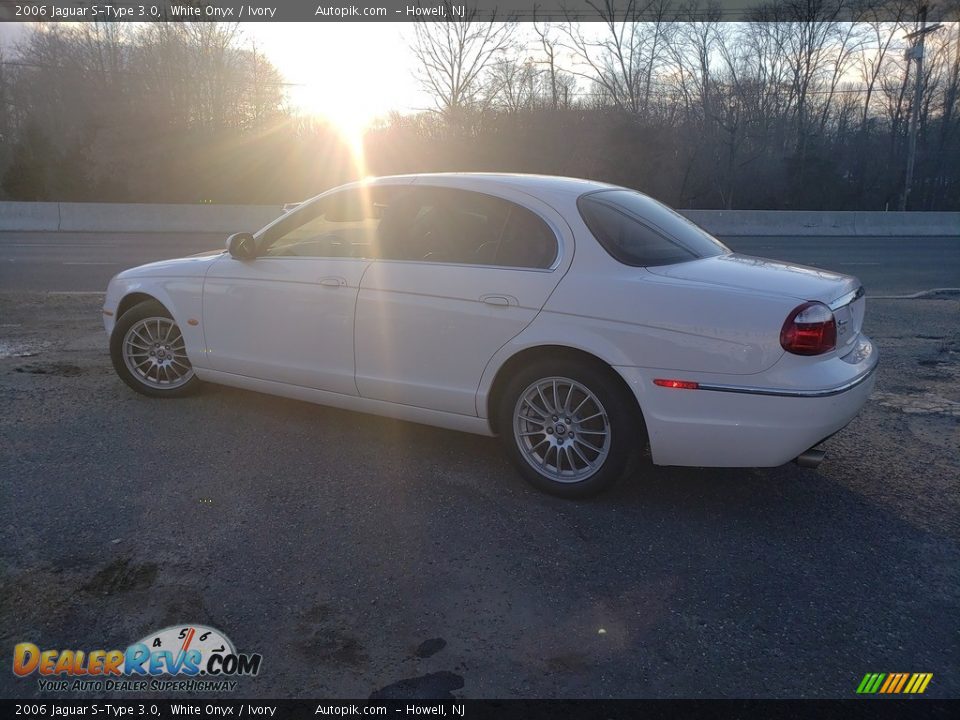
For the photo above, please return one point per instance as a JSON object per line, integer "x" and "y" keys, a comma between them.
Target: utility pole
{"x": 915, "y": 53}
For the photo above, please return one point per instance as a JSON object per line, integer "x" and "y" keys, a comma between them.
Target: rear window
{"x": 639, "y": 231}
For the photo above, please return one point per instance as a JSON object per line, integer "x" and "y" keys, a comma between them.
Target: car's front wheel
{"x": 149, "y": 353}
{"x": 568, "y": 427}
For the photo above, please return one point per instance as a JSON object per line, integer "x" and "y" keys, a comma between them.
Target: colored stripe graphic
{"x": 894, "y": 683}
{"x": 870, "y": 683}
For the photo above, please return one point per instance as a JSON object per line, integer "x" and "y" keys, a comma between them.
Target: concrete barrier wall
{"x": 102, "y": 217}
{"x": 779, "y": 223}
{"x": 117, "y": 217}
{"x": 773, "y": 222}
{"x": 106, "y": 217}
{"x": 35, "y": 216}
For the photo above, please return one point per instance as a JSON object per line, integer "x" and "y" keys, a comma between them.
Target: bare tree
{"x": 623, "y": 61}
{"x": 453, "y": 55}
{"x": 691, "y": 48}
{"x": 548, "y": 45}
{"x": 882, "y": 34}
{"x": 513, "y": 84}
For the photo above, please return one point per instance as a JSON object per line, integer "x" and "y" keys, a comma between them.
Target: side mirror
{"x": 242, "y": 246}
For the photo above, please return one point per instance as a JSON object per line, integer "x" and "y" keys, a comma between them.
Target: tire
{"x": 148, "y": 352}
{"x": 589, "y": 445}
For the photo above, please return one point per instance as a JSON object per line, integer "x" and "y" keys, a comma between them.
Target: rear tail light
{"x": 809, "y": 330}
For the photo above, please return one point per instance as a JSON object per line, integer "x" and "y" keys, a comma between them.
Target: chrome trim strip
{"x": 850, "y": 297}
{"x": 748, "y": 390}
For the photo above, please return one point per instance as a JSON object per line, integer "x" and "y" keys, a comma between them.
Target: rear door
{"x": 459, "y": 274}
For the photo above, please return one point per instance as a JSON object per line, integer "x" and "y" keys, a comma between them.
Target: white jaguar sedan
{"x": 581, "y": 322}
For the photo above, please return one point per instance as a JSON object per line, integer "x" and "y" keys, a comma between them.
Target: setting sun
{"x": 338, "y": 71}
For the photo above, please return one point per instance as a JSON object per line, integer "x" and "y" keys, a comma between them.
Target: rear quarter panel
{"x": 631, "y": 317}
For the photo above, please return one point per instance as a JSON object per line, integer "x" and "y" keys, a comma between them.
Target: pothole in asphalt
{"x": 22, "y": 348}
{"x": 122, "y": 576}
{"x": 322, "y": 641}
{"x": 62, "y": 369}
{"x": 921, "y": 404}
{"x": 331, "y": 645}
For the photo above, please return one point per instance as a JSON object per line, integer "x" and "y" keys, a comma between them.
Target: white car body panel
{"x": 177, "y": 284}
{"x": 721, "y": 429}
{"x": 285, "y": 319}
{"x": 450, "y": 421}
{"x": 411, "y": 315}
{"x": 416, "y": 341}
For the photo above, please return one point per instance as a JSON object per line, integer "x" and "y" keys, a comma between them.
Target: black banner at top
{"x": 452, "y": 10}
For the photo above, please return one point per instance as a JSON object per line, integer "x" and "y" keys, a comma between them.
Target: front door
{"x": 288, "y": 314}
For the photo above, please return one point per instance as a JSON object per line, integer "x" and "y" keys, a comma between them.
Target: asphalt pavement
{"x": 87, "y": 261}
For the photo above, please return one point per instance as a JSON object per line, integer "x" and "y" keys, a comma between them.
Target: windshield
{"x": 637, "y": 230}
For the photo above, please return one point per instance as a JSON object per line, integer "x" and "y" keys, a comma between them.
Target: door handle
{"x": 332, "y": 282}
{"x": 499, "y": 300}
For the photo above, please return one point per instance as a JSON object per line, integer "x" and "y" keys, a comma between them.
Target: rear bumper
{"x": 749, "y": 425}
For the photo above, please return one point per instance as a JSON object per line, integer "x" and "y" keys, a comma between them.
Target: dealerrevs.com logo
{"x": 201, "y": 658}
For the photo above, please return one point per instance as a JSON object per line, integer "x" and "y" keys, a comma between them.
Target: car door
{"x": 460, "y": 273}
{"x": 287, "y": 315}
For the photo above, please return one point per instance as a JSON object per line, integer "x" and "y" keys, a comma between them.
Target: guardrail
{"x": 110, "y": 217}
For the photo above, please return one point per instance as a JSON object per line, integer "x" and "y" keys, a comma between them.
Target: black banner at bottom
{"x": 875, "y": 709}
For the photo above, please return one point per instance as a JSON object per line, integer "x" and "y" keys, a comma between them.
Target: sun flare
{"x": 350, "y": 119}
{"x": 337, "y": 72}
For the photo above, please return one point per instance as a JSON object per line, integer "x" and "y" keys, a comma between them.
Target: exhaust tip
{"x": 810, "y": 458}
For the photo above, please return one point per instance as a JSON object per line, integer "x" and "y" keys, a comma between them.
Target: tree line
{"x": 806, "y": 104}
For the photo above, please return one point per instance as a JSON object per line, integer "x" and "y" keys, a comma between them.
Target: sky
{"x": 349, "y": 72}
{"x": 368, "y": 65}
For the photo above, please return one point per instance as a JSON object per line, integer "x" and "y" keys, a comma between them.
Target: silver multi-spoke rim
{"x": 154, "y": 353}
{"x": 562, "y": 429}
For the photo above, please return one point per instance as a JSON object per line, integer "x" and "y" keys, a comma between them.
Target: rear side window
{"x": 527, "y": 241}
{"x": 639, "y": 231}
{"x": 449, "y": 225}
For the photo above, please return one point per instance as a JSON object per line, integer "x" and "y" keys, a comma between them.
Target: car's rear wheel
{"x": 568, "y": 427}
{"x": 149, "y": 354}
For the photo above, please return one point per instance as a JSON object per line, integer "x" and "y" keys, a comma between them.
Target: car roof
{"x": 537, "y": 185}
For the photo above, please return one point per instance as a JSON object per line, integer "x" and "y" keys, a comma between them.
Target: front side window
{"x": 344, "y": 224}
{"x": 639, "y": 231}
{"x": 442, "y": 225}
